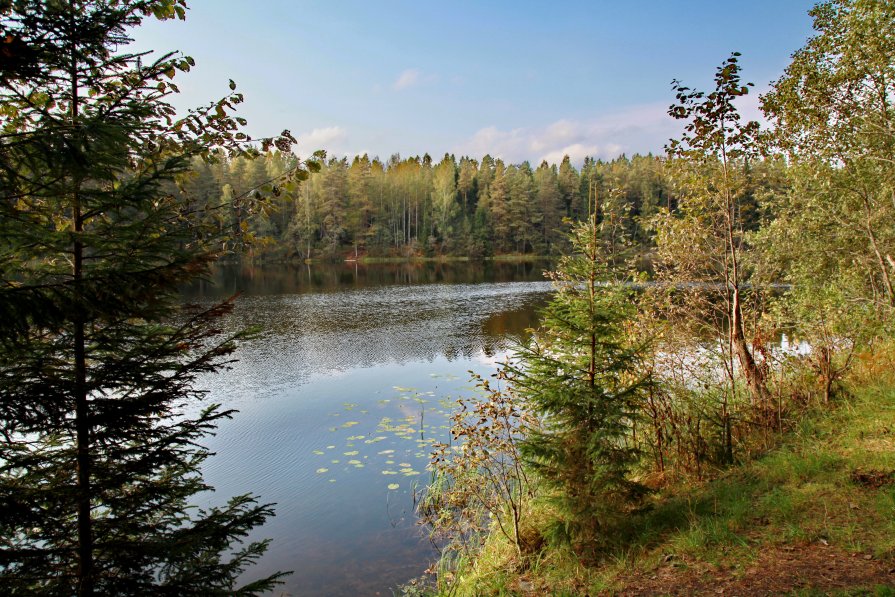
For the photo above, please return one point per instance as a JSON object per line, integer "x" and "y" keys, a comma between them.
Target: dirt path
{"x": 778, "y": 570}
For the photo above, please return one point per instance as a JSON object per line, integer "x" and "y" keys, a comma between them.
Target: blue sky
{"x": 519, "y": 80}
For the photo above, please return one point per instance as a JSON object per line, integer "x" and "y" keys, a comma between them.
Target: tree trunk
{"x": 82, "y": 426}
{"x": 755, "y": 377}
{"x": 82, "y": 423}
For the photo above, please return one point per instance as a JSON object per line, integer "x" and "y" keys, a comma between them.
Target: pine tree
{"x": 579, "y": 374}
{"x": 99, "y": 434}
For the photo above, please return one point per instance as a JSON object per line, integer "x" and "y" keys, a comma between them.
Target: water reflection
{"x": 332, "y": 396}
{"x": 230, "y": 279}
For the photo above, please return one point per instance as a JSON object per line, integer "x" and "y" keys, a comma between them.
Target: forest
{"x": 419, "y": 208}
{"x": 654, "y": 417}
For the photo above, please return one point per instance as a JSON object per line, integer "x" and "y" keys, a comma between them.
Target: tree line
{"x": 416, "y": 206}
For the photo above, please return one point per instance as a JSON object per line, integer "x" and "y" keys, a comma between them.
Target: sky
{"x": 519, "y": 80}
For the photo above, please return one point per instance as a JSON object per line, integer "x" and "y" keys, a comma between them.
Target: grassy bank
{"x": 815, "y": 515}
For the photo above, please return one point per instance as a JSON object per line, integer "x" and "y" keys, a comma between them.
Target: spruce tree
{"x": 579, "y": 375}
{"x": 99, "y": 432}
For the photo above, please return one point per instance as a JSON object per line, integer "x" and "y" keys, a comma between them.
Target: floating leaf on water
{"x": 348, "y": 424}
{"x": 389, "y": 473}
{"x": 360, "y": 465}
{"x": 405, "y": 465}
{"x": 386, "y": 452}
{"x": 411, "y": 473}
{"x": 332, "y": 480}
{"x": 351, "y": 453}
{"x": 350, "y": 444}
{"x": 322, "y": 470}
{"x": 335, "y": 461}
{"x": 364, "y": 411}
{"x": 390, "y": 462}
{"x": 384, "y": 401}
{"x": 402, "y": 389}
{"x": 330, "y": 447}
{"x": 393, "y": 486}
{"x": 333, "y": 428}
{"x": 349, "y": 405}
{"x": 318, "y": 452}
{"x": 356, "y": 437}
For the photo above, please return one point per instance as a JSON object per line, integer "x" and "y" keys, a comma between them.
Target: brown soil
{"x": 777, "y": 570}
{"x": 873, "y": 479}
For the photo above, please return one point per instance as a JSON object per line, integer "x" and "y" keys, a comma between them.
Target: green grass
{"x": 799, "y": 493}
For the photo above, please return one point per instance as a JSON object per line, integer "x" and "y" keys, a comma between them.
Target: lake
{"x": 340, "y": 396}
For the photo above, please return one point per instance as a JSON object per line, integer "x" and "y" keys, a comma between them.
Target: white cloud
{"x": 639, "y": 129}
{"x": 329, "y": 138}
{"x": 577, "y": 152}
{"x": 408, "y": 78}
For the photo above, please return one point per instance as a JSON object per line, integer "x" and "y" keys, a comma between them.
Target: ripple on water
{"x": 328, "y": 369}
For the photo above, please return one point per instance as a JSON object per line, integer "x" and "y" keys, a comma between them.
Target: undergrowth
{"x": 829, "y": 482}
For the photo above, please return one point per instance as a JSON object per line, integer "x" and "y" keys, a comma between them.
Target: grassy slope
{"x": 795, "y": 520}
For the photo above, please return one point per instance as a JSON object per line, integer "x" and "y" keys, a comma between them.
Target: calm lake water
{"x": 341, "y": 395}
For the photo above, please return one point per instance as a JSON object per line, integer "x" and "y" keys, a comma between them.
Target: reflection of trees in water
{"x": 306, "y": 334}
{"x": 330, "y": 277}
{"x": 514, "y": 323}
